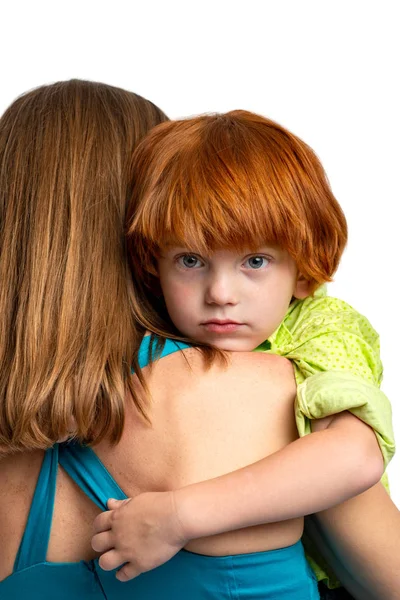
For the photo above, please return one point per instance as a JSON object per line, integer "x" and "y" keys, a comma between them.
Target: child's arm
{"x": 308, "y": 475}
{"x": 319, "y": 335}
{"x": 336, "y": 356}
{"x": 360, "y": 540}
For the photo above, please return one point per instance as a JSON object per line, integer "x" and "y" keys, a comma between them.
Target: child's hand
{"x": 142, "y": 532}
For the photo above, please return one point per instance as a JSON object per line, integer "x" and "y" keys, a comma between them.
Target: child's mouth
{"x": 220, "y": 326}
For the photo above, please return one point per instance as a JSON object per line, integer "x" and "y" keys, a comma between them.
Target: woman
{"x": 67, "y": 331}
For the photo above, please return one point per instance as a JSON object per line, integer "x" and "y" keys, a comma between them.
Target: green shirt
{"x": 335, "y": 353}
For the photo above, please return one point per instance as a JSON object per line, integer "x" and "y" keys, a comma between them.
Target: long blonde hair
{"x": 68, "y": 338}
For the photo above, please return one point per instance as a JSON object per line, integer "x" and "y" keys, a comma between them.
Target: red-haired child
{"x": 233, "y": 232}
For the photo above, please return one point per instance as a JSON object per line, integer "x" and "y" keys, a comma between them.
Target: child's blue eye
{"x": 256, "y": 262}
{"x": 189, "y": 261}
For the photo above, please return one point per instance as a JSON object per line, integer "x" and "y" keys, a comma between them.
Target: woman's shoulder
{"x": 18, "y": 468}
{"x": 263, "y": 369}
{"x": 239, "y": 371}
{"x": 266, "y": 361}
{"x": 18, "y": 477}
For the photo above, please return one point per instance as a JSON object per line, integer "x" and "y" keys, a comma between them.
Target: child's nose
{"x": 221, "y": 290}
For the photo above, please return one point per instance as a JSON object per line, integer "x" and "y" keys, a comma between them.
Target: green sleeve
{"x": 336, "y": 357}
{"x": 330, "y": 392}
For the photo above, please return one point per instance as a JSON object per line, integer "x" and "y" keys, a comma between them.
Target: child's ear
{"x": 302, "y": 288}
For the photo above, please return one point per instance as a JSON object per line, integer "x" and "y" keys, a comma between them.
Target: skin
{"x": 241, "y": 391}
{"x": 254, "y": 385}
{"x": 159, "y": 459}
{"x": 361, "y": 542}
{"x": 359, "y": 539}
{"x": 73, "y": 512}
{"x": 232, "y": 300}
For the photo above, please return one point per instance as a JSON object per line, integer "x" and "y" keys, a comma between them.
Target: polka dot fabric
{"x": 322, "y": 333}
{"x": 335, "y": 353}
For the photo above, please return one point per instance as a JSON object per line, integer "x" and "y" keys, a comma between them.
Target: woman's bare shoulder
{"x": 269, "y": 363}
{"x": 18, "y": 472}
{"x": 240, "y": 370}
{"x": 17, "y": 463}
{"x": 262, "y": 369}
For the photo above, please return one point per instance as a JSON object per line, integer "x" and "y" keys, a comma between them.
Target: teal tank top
{"x": 282, "y": 573}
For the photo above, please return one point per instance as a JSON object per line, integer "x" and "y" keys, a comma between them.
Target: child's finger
{"x": 101, "y": 542}
{"x": 110, "y": 560}
{"x": 128, "y": 572}
{"x": 102, "y": 522}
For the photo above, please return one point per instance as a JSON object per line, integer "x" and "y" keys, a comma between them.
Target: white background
{"x": 327, "y": 70}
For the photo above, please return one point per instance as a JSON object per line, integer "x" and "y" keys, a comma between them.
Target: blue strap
{"x": 87, "y": 470}
{"x": 84, "y": 467}
{"x": 34, "y": 543}
{"x": 150, "y": 347}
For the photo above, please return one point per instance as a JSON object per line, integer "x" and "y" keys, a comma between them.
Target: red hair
{"x": 235, "y": 181}
{"x": 232, "y": 181}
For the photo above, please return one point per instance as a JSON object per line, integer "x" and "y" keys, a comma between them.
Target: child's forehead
{"x": 251, "y": 246}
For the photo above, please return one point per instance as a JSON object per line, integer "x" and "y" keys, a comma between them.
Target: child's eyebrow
{"x": 262, "y": 249}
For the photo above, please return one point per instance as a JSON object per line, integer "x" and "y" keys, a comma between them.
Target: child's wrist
{"x": 180, "y": 521}
{"x": 187, "y": 515}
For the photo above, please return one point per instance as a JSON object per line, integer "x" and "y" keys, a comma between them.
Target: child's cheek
{"x": 180, "y": 298}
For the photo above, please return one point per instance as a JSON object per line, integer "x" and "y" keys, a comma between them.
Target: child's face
{"x": 232, "y": 300}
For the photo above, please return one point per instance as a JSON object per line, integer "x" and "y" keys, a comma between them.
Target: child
{"x": 232, "y": 225}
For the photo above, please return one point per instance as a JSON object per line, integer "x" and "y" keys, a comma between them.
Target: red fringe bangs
{"x": 234, "y": 181}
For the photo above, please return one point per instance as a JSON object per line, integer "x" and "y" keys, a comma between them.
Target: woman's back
{"x": 68, "y": 332}
{"x": 204, "y": 423}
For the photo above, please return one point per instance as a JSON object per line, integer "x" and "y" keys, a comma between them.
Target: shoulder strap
{"x": 154, "y": 348}
{"x": 87, "y": 470}
{"x": 83, "y": 465}
{"x": 34, "y": 543}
